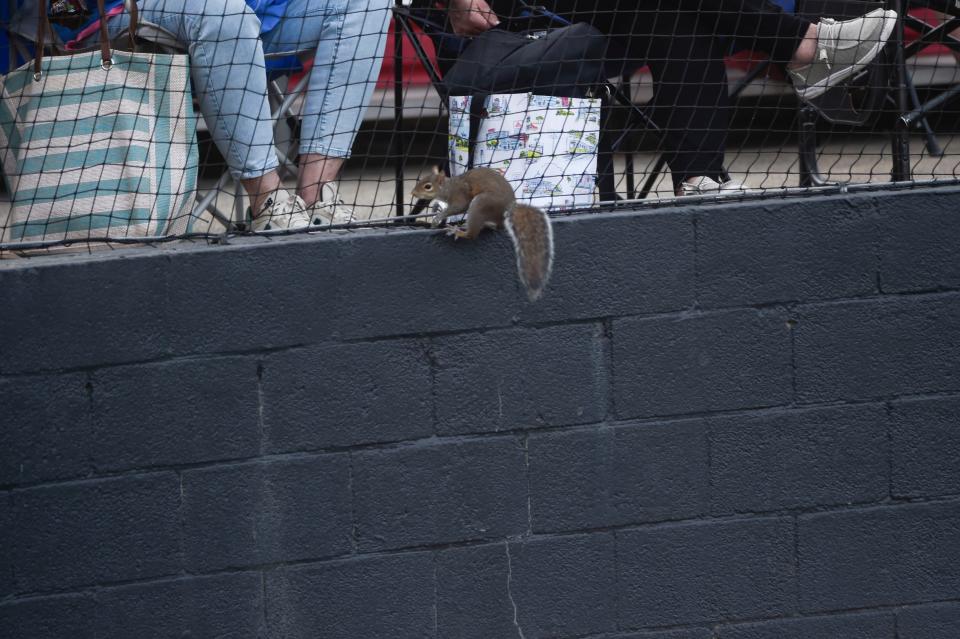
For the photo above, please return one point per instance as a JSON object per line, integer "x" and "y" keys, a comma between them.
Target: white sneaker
{"x": 281, "y": 212}
{"x": 707, "y": 186}
{"x": 330, "y": 209}
{"x": 843, "y": 49}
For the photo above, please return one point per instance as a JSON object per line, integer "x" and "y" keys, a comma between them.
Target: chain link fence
{"x": 236, "y": 117}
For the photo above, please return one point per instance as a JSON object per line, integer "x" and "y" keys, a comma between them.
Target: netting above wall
{"x": 289, "y": 116}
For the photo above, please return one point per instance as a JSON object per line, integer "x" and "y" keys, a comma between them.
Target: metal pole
{"x": 398, "y": 145}
{"x": 807, "y": 149}
{"x": 900, "y": 142}
{"x": 628, "y": 167}
{"x": 11, "y": 47}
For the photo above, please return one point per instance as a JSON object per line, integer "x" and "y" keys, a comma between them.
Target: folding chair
{"x": 899, "y": 91}
{"x": 872, "y": 84}
{"x": 911, "y": 111}
{"x": 432, "y": 22}
{"x": 283, "y": 101}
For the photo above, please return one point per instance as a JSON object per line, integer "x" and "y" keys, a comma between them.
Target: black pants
{"x": 684, "y": 42}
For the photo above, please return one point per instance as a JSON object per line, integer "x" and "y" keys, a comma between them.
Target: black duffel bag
{"x": 566, "y": 61}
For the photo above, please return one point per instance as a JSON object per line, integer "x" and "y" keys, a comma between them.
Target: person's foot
{"x": 842, "y": 49}
{"x": 281, "y": 212}
{"x": 330, "y": 209}
{"x": 708, "y": 186}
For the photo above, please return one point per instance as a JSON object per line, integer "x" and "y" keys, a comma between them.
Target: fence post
{"x": 900, "y": 143}
{"x": 398, "y": 109}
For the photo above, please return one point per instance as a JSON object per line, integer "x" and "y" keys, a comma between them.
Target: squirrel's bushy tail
{"x": 532, "y": 237}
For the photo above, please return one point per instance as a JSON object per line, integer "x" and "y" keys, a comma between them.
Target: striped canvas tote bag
{"x": 99, "y": 144}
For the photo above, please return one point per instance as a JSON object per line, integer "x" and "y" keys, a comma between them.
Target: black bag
{"x": 813, "y": 10}
{"x": 561, "y": 62}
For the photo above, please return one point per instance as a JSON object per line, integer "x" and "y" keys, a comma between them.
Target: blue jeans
{"x": 226, "y": 49}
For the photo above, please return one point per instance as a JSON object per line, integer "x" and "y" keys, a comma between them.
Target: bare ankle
{"x": 259, "y": 189}
{"x": 310, "y": 193}
{"x": 256, "y": 203}
{"x": 806, "y": 50}
{"x": 315, "y": 171}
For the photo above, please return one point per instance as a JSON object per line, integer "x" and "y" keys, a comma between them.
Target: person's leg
{"x": 349, "y": 37}
{"x": 788, "y": 39}
{"x": 691, "y": 100}
{"x": 762, "y": 23}
{"x": 816, "y": 55}
{"x": 222, "y": 38}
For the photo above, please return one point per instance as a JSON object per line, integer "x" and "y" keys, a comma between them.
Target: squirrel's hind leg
{"x": 486, "y": 211}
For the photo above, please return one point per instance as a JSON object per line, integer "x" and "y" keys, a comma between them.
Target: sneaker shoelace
{"x": 276, "y": 211}
{"x": 336, "y": 211}
{"x": 822, "y": 42}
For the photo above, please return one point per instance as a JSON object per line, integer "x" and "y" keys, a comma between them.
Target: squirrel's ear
{"x": 436, "y": 169}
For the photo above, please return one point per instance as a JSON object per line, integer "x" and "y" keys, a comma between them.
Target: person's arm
{"x": 471, "y": 17}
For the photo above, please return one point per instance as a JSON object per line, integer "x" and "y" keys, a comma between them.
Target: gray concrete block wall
{"x": 736, "y": 421}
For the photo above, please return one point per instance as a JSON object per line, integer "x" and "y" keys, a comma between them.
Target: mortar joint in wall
{"x": 354, "y": 528}
{"x": 516, "y": 612}
{"x": 889, "y": 409}
{"x": 616, "y": 579}
{"x": 796, "y": 561}
{"x": 526, "y": 473}
{"x": 260, "y": 423}
{"x": 609, "y": 407}
{"x": 263, "y": 595}
{"x": 694, "y": 220}
{"x": 91, "y": 417}
{"x": 436, "y": 597}
{"x": 433, "y": 363}
{"x": 792, "y": 324}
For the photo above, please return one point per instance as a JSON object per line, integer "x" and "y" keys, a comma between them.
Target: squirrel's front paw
{"x": 458, "y": 233}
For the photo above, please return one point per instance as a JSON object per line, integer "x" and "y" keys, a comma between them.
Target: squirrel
{"x": 488, "y": 200}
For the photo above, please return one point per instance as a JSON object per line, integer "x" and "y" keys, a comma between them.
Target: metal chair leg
{"x": 652, "y": 177}
{"x": 628, "y": 167}
{"x": 933, "y": 146}
{"x": 636, "y": 113}
{"x": 606, "y": 183}
{"x": 207, "y": 203}
{"x": 900, "y": 171}
{"x": 807, "y": 148}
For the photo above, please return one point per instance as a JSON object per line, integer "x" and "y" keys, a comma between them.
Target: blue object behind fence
{"x": 4, "y": 41}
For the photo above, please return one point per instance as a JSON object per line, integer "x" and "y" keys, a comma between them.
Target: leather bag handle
{"x": 105, "y": 53}
{"x": 131, "y": 6}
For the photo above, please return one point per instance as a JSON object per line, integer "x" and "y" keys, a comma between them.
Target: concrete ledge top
{"x": 798, "y": 201}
